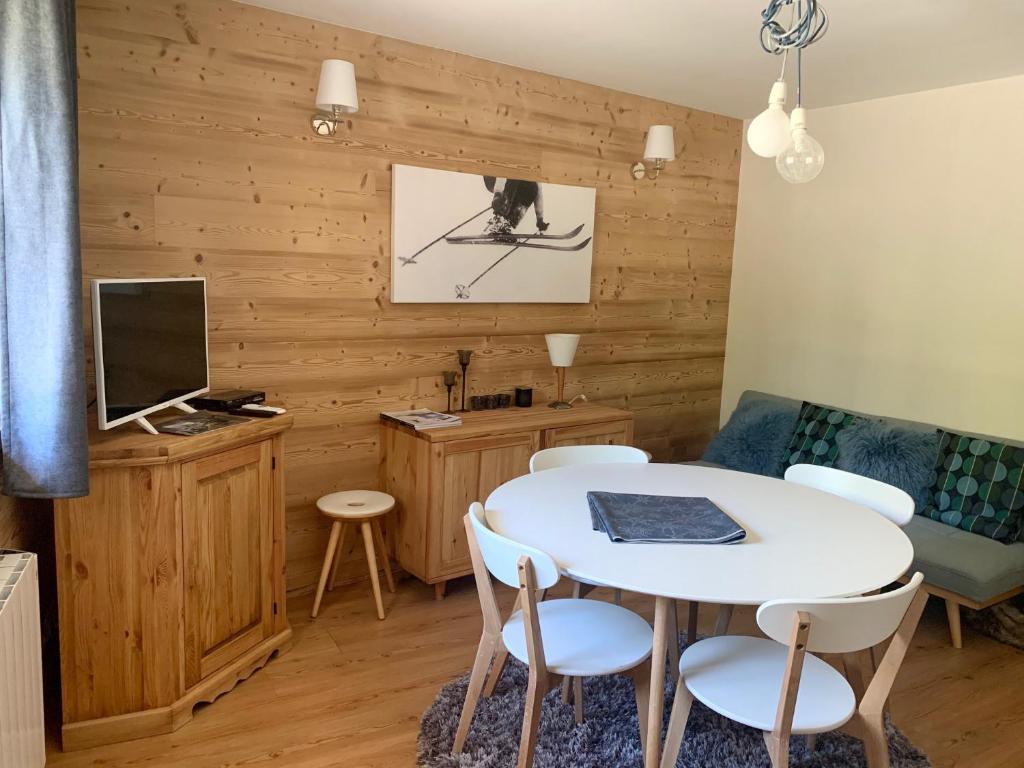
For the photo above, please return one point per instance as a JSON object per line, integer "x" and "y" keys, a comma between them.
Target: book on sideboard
{"x": 423, "y": 418}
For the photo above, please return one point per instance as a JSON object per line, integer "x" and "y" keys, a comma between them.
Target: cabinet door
{"x": 228, "y": 540}
{"x": 605, "y": 433}
{"x": 470, "y": 470}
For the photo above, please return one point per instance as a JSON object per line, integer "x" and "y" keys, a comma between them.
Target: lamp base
{"x": 559, "y": 405}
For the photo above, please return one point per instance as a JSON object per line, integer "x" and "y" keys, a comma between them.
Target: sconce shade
{"x": 337, "y": 88}
{"x": 661, "y": 143}
{"x": 562, "y": 348}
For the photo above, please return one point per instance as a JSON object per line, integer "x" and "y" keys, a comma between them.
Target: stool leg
{"x": 385, "y": 560}
{"x": 371, "y": 561}
{"x": 339, "y": 553}
{"x": 325, "y": 572}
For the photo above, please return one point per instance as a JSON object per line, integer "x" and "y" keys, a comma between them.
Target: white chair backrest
{"x": 840, "y": 625}
{"x": 572, "y": 455}
{"x": 501, "y": 555}
{"x": 887, "y": 500}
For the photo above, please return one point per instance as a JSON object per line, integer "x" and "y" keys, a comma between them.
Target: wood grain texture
{"x": 196, "y": 159}
{"x": 436, "y": 474}
{"x": 169, "y": 577}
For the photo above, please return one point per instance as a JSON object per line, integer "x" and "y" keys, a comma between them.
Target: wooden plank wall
{"x": 197, "y": 159}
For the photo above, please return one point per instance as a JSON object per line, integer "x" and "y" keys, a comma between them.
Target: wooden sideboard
{"x": 435, "y": 474}
{"x": 170, "y": 576}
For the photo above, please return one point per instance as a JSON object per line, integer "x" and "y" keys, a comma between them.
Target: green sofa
{"x": 960, "y": 567}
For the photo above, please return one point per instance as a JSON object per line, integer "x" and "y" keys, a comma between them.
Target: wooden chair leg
{"x": 339, "y": 553}
{"x": 579, "y": 591}
{"x": 497, "y": 668}
{"x": 691, "y": 622}
{"x": 577, "y": 699}
{"x": 385, "y": 558}
{"x": 484, "y": 652}
{"x": 953, "y": 615}
{"x": 724, "y": 617}
{"x": 566, "y": 690}
{"x": 325, "y": 571}
{"x": 642, "y": 686}
{"x": 677, "y": 725}
{"x": 876, "y": 743}
{"x": 812, "y": 741}
{"x": 673, "y": 639}
{"x": 778, "y": 749}
{"x": 535, "y": 690}
{"x": 371, "y": 561}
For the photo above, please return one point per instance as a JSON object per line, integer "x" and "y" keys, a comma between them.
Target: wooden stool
{"x": 365, "y": 508}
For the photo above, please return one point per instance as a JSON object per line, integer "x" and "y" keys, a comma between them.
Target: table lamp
{"x": 561, "y": 350}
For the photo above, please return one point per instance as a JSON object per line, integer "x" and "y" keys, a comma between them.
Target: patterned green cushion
{"x": 978, "y": 487}
{"x": 814, "y": 439}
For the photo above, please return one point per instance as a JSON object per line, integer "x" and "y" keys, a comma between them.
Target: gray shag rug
{"x": 610, "y": 736}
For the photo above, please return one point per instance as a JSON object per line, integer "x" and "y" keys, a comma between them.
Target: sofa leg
{"x": 953, "y": 615}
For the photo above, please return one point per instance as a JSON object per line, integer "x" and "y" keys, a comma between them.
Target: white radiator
{"x": 22, "y": 743}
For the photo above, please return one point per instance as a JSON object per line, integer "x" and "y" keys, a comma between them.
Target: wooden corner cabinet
{"x": 435, "y": 474}
{"x": 170, "y": 577}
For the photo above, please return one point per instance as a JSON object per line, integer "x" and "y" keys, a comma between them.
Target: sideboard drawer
{"x": 606, "y": 433}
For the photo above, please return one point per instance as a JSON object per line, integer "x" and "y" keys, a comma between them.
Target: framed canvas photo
{"x": 466, "y": 238}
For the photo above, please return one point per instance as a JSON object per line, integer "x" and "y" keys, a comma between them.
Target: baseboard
{"x": 160, "y": 720}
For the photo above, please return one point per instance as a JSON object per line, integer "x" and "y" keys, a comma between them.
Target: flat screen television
{"x": 150, "y": 346}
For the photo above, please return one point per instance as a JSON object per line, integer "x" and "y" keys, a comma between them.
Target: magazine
{"x": 423, "y": 418}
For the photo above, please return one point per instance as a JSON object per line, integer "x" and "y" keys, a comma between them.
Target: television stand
{"x": 143, "y": 422}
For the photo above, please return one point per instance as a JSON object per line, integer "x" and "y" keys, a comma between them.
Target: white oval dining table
{"x": 800, "y": 543}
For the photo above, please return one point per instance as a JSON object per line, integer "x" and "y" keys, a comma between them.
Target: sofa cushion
{"x": 970, "y": 565}
{"x": 814, "y": 439}
{"x": 979, "y": 486}
{"x": 900, "y": 456}
{"x": 755, "y": 438}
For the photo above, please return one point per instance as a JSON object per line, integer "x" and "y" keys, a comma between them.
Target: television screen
{"x": 151, "y": 344}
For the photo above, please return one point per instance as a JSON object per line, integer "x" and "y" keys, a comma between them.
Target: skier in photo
{"x": 511, "y": 200}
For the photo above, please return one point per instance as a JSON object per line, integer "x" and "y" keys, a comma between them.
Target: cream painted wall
{"x": 894, "y": 282}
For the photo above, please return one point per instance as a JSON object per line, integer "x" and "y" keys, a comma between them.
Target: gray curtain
{"x": 42, "y": 380}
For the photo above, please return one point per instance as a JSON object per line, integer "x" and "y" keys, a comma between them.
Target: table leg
{"x": 652, "y": 750}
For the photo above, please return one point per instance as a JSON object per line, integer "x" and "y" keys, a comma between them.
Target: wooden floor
{"x": 351, "y": 690}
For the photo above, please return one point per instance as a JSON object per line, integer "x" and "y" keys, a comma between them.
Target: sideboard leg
{"x": 439, "y": 588}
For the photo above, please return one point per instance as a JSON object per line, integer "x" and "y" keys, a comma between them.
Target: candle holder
{"x": 464, "y": 355}
{"x": 449, "y": 382}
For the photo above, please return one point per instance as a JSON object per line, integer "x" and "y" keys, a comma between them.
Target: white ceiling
{"x": 705, "y": 53}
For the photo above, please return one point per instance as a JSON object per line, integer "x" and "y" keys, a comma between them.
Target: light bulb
{"x": 769, "y": 132}
{"x": 804, "y": 158}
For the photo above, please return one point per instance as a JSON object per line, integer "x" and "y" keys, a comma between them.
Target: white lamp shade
{"x": 562, "y": 348}
{"x": 337, "y": 87}
{"x": 661, "y": 143}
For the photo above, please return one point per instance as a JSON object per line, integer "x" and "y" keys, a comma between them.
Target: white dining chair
{"x": 556, "y": 638}
{"x": 573, "y": 455}
{"x": 887, "y": 500}
{"x": 779, "y": 687}
{"x": 892, "y": 503}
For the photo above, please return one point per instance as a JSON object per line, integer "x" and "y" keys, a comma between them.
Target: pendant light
{"x": 798, "y": 156}
{"x": 768, "y": 133}
{"x": 804, "y": 158}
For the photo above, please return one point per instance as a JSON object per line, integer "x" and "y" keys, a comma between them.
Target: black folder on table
{"x": 637, "y": 517}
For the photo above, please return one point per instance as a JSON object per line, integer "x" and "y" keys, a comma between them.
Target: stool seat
{"x": 355, "y": 505}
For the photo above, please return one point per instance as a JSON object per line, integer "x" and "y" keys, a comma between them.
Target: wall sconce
{"x": 335, "y": 97}
{"x": 660, "y": 149}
